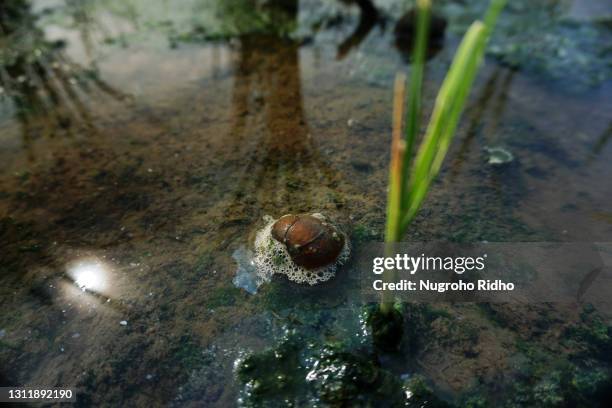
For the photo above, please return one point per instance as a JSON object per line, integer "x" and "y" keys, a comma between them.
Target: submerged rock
{"x": 498, "y": 156}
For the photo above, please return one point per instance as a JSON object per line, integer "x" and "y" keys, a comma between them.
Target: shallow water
{"x": 142, "y": 144}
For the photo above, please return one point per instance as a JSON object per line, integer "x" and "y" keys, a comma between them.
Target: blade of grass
{"x": 413, "y": 120}
{"x": 422, "y": 175}
{"x": 398, "y": 146}
{"x": 407, "y": 191}
{"x": 465, "y": 85}
{"x": 490, "y": 18}
{"x": 447, "y": 111}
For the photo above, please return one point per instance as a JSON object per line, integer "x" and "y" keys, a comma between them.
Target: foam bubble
{"x": 272, "y": 257}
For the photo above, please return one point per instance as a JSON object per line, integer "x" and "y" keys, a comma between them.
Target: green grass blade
{"x": 422, "y": 175}
{"x": 465, "y": 85}
{"x": 447, "y": 111}
{"x": 490, "y": 18}
{"x": 423, "y": 15}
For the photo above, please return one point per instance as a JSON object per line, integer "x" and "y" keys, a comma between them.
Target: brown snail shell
{"x": 310, "y": 241}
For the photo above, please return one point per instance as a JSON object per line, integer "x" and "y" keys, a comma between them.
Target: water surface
{"x": 141, "y": 144}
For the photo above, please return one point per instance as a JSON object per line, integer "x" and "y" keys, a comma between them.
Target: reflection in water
{"x": 48, "y": 91}
{"x": 368, "y": 18}
{"x": 93, "y": 284}
{"x": 404, "y": 34}
{"x": 602, "y": 140}
{"x": 89, "y": 275}
{"x": 282, "y": 164}
{"x": 283, "y": 169}
{"x": 492, "y": 98}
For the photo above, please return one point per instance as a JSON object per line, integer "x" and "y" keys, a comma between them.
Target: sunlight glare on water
{"x": 89, "y": 275}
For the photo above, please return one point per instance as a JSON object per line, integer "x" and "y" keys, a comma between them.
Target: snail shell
{"x": 310, "y": 240}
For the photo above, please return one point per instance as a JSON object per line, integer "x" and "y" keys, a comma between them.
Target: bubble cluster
{"x": 272, "y": 257}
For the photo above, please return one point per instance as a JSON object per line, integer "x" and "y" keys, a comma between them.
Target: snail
{"x": 306, "y": 248}
{"x": 311, "y": 241}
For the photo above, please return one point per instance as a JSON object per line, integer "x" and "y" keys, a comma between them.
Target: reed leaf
{"x": 448, "y": 107}
{"x": 413, "y": 121}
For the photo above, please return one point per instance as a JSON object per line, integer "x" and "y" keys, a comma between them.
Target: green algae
{"x": 387, "y": 328}
{"x": 187, "y": 352}
{"x": 566, "y": 386}
{"x": 591, "y": 336}
{"x": 339, "y": 373}
{"x": 299, "y": 373}
{"x": 274, "y": 376}
{"x": 341, "y": 378}
{"x": 578, "y": 379}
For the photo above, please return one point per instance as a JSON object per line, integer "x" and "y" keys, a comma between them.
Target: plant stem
{"x": 398, "y": 147}
{"x": 394, "y": 197}
{"x": 410, "y": 180}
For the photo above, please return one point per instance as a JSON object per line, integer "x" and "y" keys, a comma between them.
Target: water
{"x": 247, "y": 277}
{"x": 141, "y": 144}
